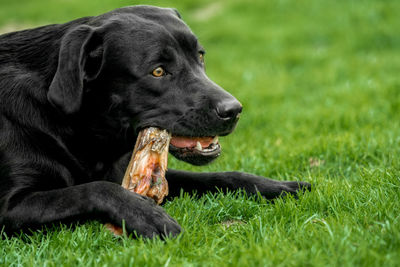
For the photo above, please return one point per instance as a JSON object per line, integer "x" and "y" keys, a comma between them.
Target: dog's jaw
{"x": 195, "y": 150}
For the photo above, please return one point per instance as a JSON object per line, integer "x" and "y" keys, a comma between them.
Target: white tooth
{"x": 198, "y": 146}
{"x": 215, "y": 140}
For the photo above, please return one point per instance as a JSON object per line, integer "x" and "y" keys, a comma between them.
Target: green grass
{"x": 320, "y": 85}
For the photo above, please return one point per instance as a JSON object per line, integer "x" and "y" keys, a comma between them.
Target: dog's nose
{"x": 229, "y": 109}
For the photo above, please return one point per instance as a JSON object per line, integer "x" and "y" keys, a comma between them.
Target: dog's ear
{"x": 80, "y": 61}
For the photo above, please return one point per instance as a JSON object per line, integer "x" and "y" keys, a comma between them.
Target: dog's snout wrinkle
{"x": 225, "y": 105}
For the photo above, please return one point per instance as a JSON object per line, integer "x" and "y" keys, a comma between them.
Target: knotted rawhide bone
{"x": 145, "y": 174}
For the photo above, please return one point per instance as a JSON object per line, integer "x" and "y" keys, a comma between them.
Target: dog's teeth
{"x": 215, "y": 140}
{"x": 198, "y": 146}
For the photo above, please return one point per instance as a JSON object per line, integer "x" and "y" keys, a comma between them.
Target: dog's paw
{"x": 271, "y": 189}
{"x": 294, "y": 187}
{"x": 149, "y": 220}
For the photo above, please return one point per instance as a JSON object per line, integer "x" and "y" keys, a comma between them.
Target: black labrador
{"x": 73, "y": 97}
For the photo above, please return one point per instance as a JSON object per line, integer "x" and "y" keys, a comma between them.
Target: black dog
{"x": 72, "y": 99}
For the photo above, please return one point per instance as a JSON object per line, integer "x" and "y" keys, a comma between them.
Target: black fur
{"x": 72, "y": 99}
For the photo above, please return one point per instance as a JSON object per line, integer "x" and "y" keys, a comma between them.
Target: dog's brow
{"x": 201, "y": 49}
{"x": 188, "y": 40}
{"x": 167, "y": 54}
{"x": 164, "y": 55}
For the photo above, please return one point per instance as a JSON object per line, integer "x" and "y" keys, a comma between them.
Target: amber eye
{"x": 158, "y": 72}
{"x": 201, "y": 57}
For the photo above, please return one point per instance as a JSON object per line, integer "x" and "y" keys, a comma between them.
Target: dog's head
{"x": 144, "y": 67}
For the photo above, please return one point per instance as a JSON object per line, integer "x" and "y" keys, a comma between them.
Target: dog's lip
{"x": 213, "y": 151}
{"x": 206, "y": 146}
{"x": 199, "y": 143}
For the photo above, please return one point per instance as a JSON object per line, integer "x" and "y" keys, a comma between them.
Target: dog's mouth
{"x": 195, "y": 150}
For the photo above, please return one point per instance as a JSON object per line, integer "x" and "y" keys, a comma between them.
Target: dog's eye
{"x": 201, "y": 57}
{"x": 158, "y": 72}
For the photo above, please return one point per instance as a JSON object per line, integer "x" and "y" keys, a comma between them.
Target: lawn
{"x": 320, "y": 85}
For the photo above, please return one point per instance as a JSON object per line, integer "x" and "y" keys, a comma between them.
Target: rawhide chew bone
{"x": 145, "y": 174}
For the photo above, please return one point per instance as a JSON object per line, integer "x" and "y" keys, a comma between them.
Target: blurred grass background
{"x": 319, "y": 82}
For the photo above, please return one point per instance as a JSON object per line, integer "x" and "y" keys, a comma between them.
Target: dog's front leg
{"x": 103, "y": 201}
{"x": 211, "y": 182}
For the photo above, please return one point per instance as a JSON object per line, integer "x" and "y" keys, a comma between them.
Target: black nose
{"x": 229, "y": 109}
